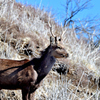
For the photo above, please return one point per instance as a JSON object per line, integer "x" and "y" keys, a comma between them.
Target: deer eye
{"x": 59, "y": 39}
{"x": 37, "y": 47}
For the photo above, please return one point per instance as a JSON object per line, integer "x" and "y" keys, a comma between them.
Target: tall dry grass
{"x": 25, "y": 31}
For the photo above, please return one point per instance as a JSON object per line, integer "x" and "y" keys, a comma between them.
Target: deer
{"x": 27, "y": 75}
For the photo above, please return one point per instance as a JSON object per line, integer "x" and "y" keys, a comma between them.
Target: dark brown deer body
{"x": 27, "y": 74}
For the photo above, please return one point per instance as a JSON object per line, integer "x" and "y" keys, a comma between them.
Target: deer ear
{"x": 52, "y": 40}
{"x": 56, "y": 40}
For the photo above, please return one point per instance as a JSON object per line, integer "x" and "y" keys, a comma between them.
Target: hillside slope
{"x": 25, "y": 31}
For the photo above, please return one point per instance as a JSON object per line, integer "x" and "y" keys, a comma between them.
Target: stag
{"x": 28, "y": 74}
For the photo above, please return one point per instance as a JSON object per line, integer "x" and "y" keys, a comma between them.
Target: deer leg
{"x": 25, "y": 94}
{"x": 32, "y": 96}
{"x": 32, "y": 91}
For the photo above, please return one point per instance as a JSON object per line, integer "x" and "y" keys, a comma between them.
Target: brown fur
{"x": 27, "y": 74}
{"x": 13, "y": 76}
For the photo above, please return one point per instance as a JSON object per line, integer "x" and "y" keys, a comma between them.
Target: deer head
{"x": 57, "y": 50}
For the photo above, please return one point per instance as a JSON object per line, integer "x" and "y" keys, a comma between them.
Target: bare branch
{"x": 77, "y": 7}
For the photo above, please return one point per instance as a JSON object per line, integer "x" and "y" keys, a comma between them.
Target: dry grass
{"x": 25, "y": 31}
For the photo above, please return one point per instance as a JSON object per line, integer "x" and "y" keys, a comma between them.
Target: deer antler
{"x": 51, "y": 29}
{"x": 53, "y": 39}
{"x": 56, "y": 40}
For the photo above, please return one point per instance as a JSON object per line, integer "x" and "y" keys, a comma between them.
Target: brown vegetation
{"x": 25, "y": 32}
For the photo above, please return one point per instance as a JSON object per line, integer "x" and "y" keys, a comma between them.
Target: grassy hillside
{"x": 25, "y": 31}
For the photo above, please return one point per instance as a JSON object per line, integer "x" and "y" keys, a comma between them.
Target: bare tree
{"x": 87, "y": 28}
{"x": 73, "y": 7}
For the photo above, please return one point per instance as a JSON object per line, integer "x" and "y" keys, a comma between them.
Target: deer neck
{"x": 44, "y": 65}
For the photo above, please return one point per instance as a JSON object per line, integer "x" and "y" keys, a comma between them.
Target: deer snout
{"x": 60, "y": 53}
{"x": 67, "y": 55}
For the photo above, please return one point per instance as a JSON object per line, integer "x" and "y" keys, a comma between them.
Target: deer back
{"x": 15, "y": 74}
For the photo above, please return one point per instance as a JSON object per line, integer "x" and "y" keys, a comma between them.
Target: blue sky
{"x": 57, "y": 7}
